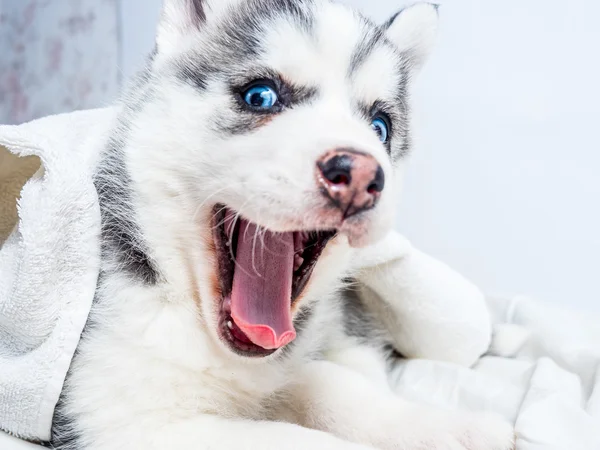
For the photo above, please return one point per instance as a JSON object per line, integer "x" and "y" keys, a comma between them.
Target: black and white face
{"x": 282, "y": 123}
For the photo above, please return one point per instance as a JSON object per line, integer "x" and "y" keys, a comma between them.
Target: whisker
{"x": 254, "y": 252}
{"x": 233, "y": 258}
{"x": 218, "y": 191}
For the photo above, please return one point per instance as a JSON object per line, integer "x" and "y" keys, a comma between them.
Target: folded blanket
{"x": 542, "y": 373}
{"x": 49, "y": 260}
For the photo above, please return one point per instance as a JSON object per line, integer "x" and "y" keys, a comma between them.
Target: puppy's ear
{"x": 181, "y": 19}
{"x": 414, "y": 30}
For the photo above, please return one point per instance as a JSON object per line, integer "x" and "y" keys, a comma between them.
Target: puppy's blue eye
{"x": 381, "y": 127}
{"x": 261, "y": 97}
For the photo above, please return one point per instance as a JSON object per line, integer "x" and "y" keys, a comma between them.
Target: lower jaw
{"x": 228, "y": 331}
{"x": 240, "y": 347}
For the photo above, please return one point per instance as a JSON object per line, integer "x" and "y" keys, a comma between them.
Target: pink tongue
{"x": 262, "y": 286}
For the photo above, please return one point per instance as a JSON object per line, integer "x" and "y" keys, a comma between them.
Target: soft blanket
{"x": 542, "y": 373}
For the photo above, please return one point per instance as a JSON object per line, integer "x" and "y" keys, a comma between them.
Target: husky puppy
{"x": 253, "y": 158}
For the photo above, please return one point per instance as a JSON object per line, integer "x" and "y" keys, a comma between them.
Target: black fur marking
{"x": 64, "y": 435}
{"x": 239, "y": 41}
{"x": 299, "y": 10}
{"x": 401, "y": 123}
{"x": 196, "y": 76}
{"x": 289, "y": 93}
{"x": 239, "y": 44}
{"x": 397, "y": 114}
{"x": 392, "y": 357}
{"x": 358, "y": 321}
{"x": 301, "y": 322}
{"x": 372, "y": 38}
{"x": 240, "y": 125}
{"x": 121, "y": 238}
{"x": 392, "y": 19}
{"x": 247, "y": 119}
{"x": 120, "y": 234}
{"x": 302, "y": 319}
{"x": 361, "y": 324}
{"x": 197, "y": 7}
{"x": 399, "y": 144}
{"x": 400, "y": 120}
{"x": 405, "y": 146}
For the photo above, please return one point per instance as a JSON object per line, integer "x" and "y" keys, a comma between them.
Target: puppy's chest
{"x": 241, "y": 393}
{"x": 160, "y": 358}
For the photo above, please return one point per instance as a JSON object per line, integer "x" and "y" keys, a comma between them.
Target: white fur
{"x": 152, "y": 372}
{"x": 445, "y": 320}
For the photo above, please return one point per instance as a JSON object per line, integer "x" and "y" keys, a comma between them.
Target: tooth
{"x": 229, "y": 324}
{"x": 298, "y": 261}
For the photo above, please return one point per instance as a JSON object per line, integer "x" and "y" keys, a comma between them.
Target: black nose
{"x": 378, "y": 182}
{"x": 338, "y": 169}
{"x": 352, "y": 180}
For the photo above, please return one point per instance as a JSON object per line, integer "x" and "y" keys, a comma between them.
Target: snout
{"x": 352, "y": 180}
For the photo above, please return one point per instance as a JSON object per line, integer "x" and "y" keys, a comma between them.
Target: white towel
{"x": 7, "y": 442}
{"x": 49, "y": 260}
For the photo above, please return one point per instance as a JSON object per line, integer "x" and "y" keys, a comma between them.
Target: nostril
{"x": 337, "y": 170}
{"x": 340, "y": 179}
{"x": 376, "y": 186}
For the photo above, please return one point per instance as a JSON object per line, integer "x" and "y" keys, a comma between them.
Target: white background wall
{"x": 504, "y": 183}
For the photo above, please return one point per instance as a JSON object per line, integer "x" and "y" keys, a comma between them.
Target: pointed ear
{"x": 414, "y": 30}
{"x": 179, "y": 19}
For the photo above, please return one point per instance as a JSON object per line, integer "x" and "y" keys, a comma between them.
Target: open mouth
{"x": 261, "y": 274}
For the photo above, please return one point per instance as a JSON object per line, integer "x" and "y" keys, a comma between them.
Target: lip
{"x": 235, "y": 338}
{"x": 310, "y": 246}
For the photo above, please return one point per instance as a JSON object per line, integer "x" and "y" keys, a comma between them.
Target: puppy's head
{"x": 273, "y": 130}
